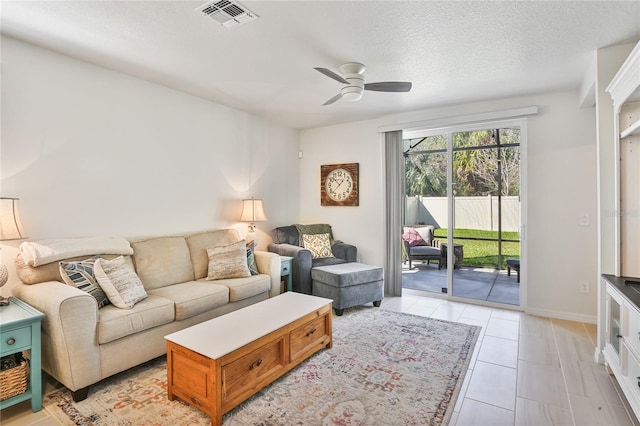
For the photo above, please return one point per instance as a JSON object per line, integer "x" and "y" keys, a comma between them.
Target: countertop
{"x": 630, "y": 292}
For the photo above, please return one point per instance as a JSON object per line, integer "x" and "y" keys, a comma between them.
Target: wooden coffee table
{"x": 217, "y": 364}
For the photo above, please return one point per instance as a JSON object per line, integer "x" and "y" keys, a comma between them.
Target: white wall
{"x": 561, "y": 181}
{"x": 93, "y": 152}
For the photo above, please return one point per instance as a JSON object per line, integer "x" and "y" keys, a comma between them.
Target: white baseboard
{"x": 589, "y": 319}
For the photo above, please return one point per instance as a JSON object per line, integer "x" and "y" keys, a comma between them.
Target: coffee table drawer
{"x": 245, "y": 374}
{"x": 309, "y": 337}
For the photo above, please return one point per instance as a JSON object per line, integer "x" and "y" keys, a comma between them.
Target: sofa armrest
{"x": 345, "y": 251}
{"x": 70, "y": 350}
{"x": 269, "y": 264}
{"x": 301, "y": 265}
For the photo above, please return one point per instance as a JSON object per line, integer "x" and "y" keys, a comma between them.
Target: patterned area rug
{"x": 385, "y": 368}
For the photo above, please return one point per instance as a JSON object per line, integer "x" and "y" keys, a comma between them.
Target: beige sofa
{"x": 82, "y": 344}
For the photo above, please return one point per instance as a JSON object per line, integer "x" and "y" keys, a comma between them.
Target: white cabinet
{"x": 625, "y": 92}
{"x": 622, "y": 348}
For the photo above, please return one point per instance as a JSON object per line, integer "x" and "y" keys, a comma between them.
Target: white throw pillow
{"x": 121, "y": 283}
{"x": 229, "y": 261}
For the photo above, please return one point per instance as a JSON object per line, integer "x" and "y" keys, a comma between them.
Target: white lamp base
{"x": 4, "y": 277}
{"x": 252, "y": 236}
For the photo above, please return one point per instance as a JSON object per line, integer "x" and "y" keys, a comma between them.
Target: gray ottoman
{"x": 348, "y": 284}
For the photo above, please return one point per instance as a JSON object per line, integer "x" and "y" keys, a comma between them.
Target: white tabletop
{"x": 226, "y": 333}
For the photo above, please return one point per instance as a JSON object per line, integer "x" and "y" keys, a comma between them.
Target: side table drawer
{"x": 285, "y": 268}
{"x": 15, "y": 340}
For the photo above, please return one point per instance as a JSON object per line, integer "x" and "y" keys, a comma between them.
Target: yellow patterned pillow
{"x": 318, "y": 245}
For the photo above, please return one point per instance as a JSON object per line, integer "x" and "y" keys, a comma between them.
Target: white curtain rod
{"x": 460, "y": 119}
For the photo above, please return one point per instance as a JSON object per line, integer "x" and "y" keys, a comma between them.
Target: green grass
{"x": 483, "y": 253}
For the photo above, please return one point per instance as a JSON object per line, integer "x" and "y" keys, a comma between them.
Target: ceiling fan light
{"x": 351, "y": 94}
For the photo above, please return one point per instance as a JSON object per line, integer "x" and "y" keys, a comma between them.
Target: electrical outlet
{"x": 584, "y": 286}
{"x": 583, "y": 219}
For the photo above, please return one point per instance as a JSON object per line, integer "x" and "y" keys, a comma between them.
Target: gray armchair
{"x": 286, "y": 242}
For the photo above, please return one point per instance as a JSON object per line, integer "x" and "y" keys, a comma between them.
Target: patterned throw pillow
{"x": 80, "y": 275}
{"x": 228, "y": 261}
{"x": 318, "y": 245}
{"x": 251, "y": 258}
{"x": 412, "y": 236}
{"x": 121, "y": 283}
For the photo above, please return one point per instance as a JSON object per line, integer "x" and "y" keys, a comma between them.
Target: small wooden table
{"x": 458, "y": 255}
{"x": 217, "y": 364}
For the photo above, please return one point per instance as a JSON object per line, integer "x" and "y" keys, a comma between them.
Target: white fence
{"x": 469, "y": 212}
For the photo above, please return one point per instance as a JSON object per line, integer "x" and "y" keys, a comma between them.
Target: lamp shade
{"x": 10, "y": 225}
{"x": 252, "y": 211}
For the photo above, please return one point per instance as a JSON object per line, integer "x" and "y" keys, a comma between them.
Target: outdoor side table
{"x": 20, "y": 331}
{"x": 458, "y": 255}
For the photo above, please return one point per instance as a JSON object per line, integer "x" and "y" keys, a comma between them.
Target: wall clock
{"x": 339, "y": 184}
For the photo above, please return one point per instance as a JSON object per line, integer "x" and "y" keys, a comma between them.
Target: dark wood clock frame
{"x": 353, "y": 198}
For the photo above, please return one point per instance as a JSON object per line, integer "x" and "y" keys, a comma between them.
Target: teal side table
{"x": 285, "y": 270}
{"x": 20, "y": 331}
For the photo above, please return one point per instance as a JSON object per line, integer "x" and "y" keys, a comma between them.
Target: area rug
{"x": 385, "y": 368}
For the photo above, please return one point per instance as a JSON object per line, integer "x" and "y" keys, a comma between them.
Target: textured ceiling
{"x": 452, "y": 51}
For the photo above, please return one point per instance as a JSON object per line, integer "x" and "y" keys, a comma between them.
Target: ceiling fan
{"x": 354, "y": 83}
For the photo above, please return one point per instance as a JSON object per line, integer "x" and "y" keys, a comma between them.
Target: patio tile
{"x": 468, "y": 282}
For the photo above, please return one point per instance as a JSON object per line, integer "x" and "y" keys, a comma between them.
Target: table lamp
{"x": 10, "y": 229}
{"x": 252, "y": 211}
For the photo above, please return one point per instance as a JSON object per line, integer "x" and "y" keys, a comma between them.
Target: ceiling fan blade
{"x": 334, "y": 99}
{"x": 389, "y": 86}
{"x": 331, "y": 74}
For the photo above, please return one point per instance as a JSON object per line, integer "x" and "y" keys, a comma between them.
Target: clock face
{"x": 339, "y": 184}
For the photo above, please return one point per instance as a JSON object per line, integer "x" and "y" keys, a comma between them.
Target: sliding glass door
{"x": 466, "y": 184}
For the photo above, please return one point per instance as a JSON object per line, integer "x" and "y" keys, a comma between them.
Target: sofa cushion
{"x": 193, "y": 298}
{"x": 318, "y": 245}
{"x": 162, "y": 261}
{"x": 114, "y": 323}
{"x": 325, "y": 261}
{"x": 251, "y": 258}
{"x": 286, "y": 235}
{"x": 119, "y": 280}
{"x": 80, "y": 275}
{"x": 229, "y": 261}
{"x": 243, "y": 288}
{"x": 49, "y": 272}
{"x": 315, "y": 228}
{"x": 200, "y": 242}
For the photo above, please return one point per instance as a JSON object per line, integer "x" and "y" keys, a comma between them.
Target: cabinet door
{"x": 614, "y": 321}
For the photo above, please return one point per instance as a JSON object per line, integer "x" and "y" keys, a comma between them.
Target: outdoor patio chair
{"x": 419, "y": 244}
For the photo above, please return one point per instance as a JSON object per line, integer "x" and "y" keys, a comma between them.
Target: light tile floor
{"x": 525, "y": 370}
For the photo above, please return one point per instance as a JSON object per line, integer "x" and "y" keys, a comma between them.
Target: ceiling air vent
{"x": 229, "y": 13}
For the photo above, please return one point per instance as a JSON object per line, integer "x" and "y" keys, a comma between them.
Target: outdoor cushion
{"x": 193, "y": 297}
{"x": 425, "y": 251}
{"x": 114, "y": 323}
